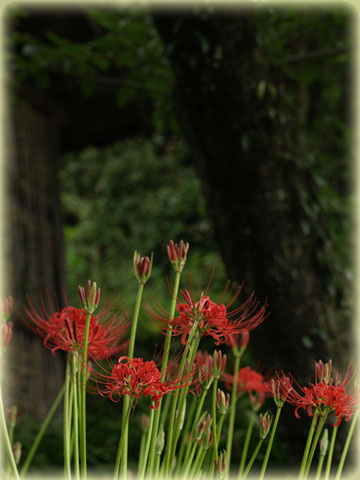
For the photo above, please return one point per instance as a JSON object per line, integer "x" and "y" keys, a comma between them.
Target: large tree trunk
{"x": 34, "y": 253}
{"x": 252, "y": 190}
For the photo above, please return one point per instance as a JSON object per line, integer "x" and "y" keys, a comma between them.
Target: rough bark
{"x": 34, "y": 254}
{"x": 252, "y": 189}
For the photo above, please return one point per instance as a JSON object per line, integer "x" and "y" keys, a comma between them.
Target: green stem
{"x": 41, "y": 432}
{"x": 246, "y": 443}
{"x": 232, "y": 414}
{"x": 83, "y": 399}
{"x": 215, "y": 443}
{"x": 185, "y": 440}
{"x": 169, "y": 440}
{"x": 308, "y": 444}
{"x": 271, "y": 439}
{"x": 331, "y": 452}
{"x": 163, "y": 369}
{"x": 346, "y": 446}
{"x": 75, "y": 379}
{"x": 11, "y": 437}
{"x": 67, "y": 465}
{"x": 320, "y": 465}
{"x": 252, "y": 459}
{"x": 189, "y": 461}
{"x": 126, "y": 404}
{"x": 147, "y": 446}
{"x": 314, "y": 444}
{"x": 120, "y": 447}
{"x": 8, "y": 447}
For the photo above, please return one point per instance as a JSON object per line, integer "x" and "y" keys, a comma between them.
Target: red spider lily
{"x": 213, "y": 319}
{"x": 251, "y": 382}
{"x": 142, "y": 267}
{"x": 324, "y": 396}
{"x": 64, "y": 330}
{"x": 136, "y": 378}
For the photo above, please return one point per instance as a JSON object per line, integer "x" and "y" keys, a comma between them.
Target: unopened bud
{"x": 222, "y": 401}
{"x": 219, "y": 363}
{"x": 12, "y": 415}
{"x": 324, "y": 442}
{"x": 142, "y": 267}
{"x": 5, "y": 335}
{"x": 17, "y": 452}
{"x": 6, "y": 308}
{"x": 90, "y": 298}
{"x": 220, "y": 463}
{"x": 177, "y": 254}
{"x": 160, "y": 440}
{"x": 264, "y": 424}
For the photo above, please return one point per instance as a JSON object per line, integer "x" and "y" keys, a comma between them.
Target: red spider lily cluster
{"x": 136, "y": 378}
{"x": 251, "y": 382}
{"x": 64, "y": 330}
{"x": 326, "y": 395}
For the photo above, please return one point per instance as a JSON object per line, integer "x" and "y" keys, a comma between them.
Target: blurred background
{"x": 231, "y": 129}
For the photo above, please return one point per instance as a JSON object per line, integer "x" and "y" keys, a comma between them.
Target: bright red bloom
{"x": 64, "y": 330}
{"x": 137, "y": 378}
{"x": 251, "y": 382}
{"x": 212, "y": 319}
{"x": 324, "y": 396}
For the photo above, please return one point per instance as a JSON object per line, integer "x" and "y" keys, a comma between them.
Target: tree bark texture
{"x": 253, "y": 189}
{"x": 34, "y": 254}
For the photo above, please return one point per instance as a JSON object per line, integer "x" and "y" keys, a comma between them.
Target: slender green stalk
{"x": 188, "y": 463}
{"x": 6, "y": 440}
{"x": 163, "y": 369}
{"x": 331, "y": 452}
{"x": 252, "y": 459}
{"x": 215, "y": 442}
{"x": 271, "y": 439}
{"x": 185, "y": 440}
{"x": 75, "y": 381}
{"x": 83, "y": 399}
{"x": 147, "y": 447}
{"x": 11, "y": 435}
{"x": 196, "y": 419}
{"x": 346, "y": 446}
{"x": 198, "y": 463}
{"x": 169, "y": 440}
{"x": 246, "y": 443}
{"x": 41, "y": 432}
{"x": 314, "y": 444}
{"x": 232, "y": 413}
{"x": 308, "y": 445}
{"x": 125, "y": 420}
{"x": 120, "y": 447}
{"x": 67, "y": 465}
{"x": 319, "y": 468}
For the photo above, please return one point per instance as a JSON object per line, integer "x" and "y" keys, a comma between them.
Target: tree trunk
{"x": 34, "y": 253}
{"x": 253, "y": 190}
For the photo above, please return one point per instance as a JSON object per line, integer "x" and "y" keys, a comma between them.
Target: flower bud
{"x": 219, "y": 363}
{"x": 264, "y": 424}
{"x": 91, "y": 298}
{"x": 220, "y": 464}
{"x": 17, "y": 452}
{"x": 6, "y": 308}
{"x": 222, "y": 401}
{"x": 142, "y": 267}
{"x": 5, "y": 335}
{"x": 177, "y": 254}
{"x": 324, "y": 442}
{"x": 12, "y": 415}
{"x": 160, "y": 440}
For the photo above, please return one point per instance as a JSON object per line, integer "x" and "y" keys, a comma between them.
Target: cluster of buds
{"x": 280, "y": 387}
{"x": 222, "y": 401}
{"x": 323, "y": 372}
{"x": 219, "y": 363}
{"x": 142, "y": 267}
{"x": 256, "y": 400}
{"x": 220, "y": 464}
{"x": 264, "y": 424}
{"x": 90, "y": 297}
{"x": 203, "y": 431}
{"x": 245, "y": 336}
{"x": 177, "y": 254}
